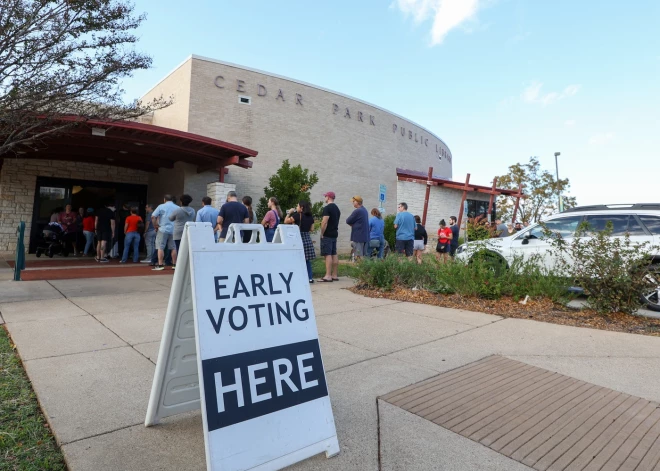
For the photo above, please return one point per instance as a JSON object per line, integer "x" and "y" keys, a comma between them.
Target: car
{"x": 640, "y": 221}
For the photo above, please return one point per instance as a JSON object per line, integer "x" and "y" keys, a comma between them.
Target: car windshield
{"x": 564, "y": 227}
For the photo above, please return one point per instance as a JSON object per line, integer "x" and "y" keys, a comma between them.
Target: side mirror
{"x": 526, "y": 238}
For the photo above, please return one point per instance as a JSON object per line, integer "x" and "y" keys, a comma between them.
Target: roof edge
{"x": 300, "y": 82}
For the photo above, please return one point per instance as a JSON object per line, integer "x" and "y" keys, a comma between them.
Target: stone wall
{"x": 18, "y": 180}
{"x": 443, "y": 202}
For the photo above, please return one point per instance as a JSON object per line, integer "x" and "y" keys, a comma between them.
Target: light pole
{"x": 557, "y": 154}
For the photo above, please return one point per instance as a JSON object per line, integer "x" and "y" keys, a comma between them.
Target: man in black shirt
{"x": 329, "y": 234}
{"x": 105, "y": 228}
{"x": 454, "y": 235}
{"x": 231, "y": 212}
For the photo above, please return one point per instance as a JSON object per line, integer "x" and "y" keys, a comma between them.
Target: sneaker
{"x": 174, "y": 267}
{"x": 146, "y": 260}
{"x": 104, "y": 260}
{"x": 122, "y": 261}
{"x": 158, "y": 268}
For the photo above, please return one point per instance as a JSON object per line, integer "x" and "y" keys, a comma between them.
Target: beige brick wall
{"x": 443, "y": 203}
{"x": 177, "y": 86}
{"x": 18, "y": 181}
{"x": 351, "y": 156}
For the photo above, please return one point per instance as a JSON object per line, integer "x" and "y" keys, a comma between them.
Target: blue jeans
{"x": 89, "y": 237}
{"x": 309, "y": 268}
{"x": 131, "y": 239}
{"x": 270, "y": 233}
{"x": 150, "y": 243}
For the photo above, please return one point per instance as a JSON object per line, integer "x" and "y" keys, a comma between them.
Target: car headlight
{"x": 461, "y": 248}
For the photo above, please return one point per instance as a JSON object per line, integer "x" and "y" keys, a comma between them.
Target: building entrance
{"x": 53, "y": 194}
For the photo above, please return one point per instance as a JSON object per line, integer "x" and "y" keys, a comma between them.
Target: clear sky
{"x": 497, "y": 80}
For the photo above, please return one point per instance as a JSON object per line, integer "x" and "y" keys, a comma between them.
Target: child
{"x": 420, "y": 240}
{"x": 444, "y": 242}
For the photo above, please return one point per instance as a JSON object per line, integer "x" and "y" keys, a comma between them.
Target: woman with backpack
{"x": 421, "y": 239}
{"x": 133, "y": 226}
{"x": 272, "y": 218}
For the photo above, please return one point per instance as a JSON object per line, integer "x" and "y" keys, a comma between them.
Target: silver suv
{"x": 640, "y": 221}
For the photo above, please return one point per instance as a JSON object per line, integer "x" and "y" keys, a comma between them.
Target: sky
{"x": 497, "y": 80}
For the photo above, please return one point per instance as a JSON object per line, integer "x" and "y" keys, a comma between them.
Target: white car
{"x": 640, "y": 221}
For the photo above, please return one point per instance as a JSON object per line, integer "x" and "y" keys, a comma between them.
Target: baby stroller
{"x": 52, "y": 241}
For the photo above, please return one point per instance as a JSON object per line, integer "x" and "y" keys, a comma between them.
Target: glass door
{"x": 49, "y": 200}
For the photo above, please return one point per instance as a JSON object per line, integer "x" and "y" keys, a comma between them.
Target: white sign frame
{"x": 177, "y": 387}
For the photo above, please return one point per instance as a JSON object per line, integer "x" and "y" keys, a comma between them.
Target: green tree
{"x": 290, "y": 185}
{"x": 541, "y": 189}
{"x": 65, "y": 57}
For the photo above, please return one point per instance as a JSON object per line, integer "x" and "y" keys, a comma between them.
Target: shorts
{"x": 418, "y": 245}
{"x": 443, "y": 248}
{"x": 359, "y": 248}
{"x": 165, "y": 240}
{"x": 405, "y": 246}
{"x": 328, "y": 246}
{"x": 104, "y": 236}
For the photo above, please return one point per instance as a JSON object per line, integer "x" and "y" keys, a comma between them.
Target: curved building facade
{"x": 352, "y": 145}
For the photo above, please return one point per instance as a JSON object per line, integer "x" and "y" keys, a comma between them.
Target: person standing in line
{"x": 453, "y": 245}
{"x": 404, "y": 223}
{"x": 104, "y": 225}
{"x": 88, "y": 230}
{"x": 132, "y": 226}
{"x": 329, "y": 234}
{"x": 517, "y": 227}
{"x": 359, "y": 222}
{"x": 180, "y": 217}
{"x": 231, "y": 212}
{"x": 149, "y": 234}
{"x": 421, "y": 239}
{"x": 252, "y": 219}
{"x": 208, "y": 214}
{"x": 502, "y": 229}
{"x": 80, "y": 236}
{"x": 376, "y": 233}
{"x": 272, "y": 218}
{"x": 302, "y": 217}
{"x": 445, "y": 236}
{"x": 55, "y": 214}
{"x": 68, "y": 220}
{"x": 122, "y": 214}
{"x": 165, "y": 236}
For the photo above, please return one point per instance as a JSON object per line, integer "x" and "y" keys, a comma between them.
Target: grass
{"x": 345, "y": 268}
{"x": 26, "y": 442}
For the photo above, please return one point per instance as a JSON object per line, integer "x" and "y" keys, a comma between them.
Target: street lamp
{"x": 557, "y": 154}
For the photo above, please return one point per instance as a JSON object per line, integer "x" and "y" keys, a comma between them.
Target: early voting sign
{"x": 246, "y": 308}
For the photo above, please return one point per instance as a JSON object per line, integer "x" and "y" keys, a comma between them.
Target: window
{"x": 599, "y": 223}
{"x": 244, "y": 100}
{"x": 634, "y": 227}
{"x": 480, "y": 208}
{"x": 565, "y": 227}
{"x": 652, "y": 223}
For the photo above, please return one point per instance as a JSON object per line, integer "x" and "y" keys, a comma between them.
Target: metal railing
{"x": 19, "y": 259}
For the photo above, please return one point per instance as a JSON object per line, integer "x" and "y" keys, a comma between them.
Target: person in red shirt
{"x": 444, "y": 242}
{"x": 88, "y": 230}
{"x": 132, "y": 231}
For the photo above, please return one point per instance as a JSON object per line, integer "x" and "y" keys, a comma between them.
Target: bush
{"x": 613, "y": 271}
{"x": 476, "y": 279}
{"x": 479, "y": 229}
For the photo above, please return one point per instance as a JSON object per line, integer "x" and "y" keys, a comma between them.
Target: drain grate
{"x": 543, "y": 419}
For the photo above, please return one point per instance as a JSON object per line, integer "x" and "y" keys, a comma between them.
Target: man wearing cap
{"x": 329, "y": 234}
{"x": 359, "y": 222}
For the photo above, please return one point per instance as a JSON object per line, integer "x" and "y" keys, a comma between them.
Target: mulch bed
{"x": 543, "y": 310}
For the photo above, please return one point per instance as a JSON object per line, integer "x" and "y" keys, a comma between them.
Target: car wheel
{"x": 490, "y": 260}
{"x": 651, "y": 295}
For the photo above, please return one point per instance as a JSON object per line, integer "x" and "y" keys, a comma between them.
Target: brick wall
{"x": 443, "y": 202}
{"x": 350, "y": 155}
{"x": 18, "y": 180}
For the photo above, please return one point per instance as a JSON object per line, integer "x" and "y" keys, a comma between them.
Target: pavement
{"x": 90, "y": 345}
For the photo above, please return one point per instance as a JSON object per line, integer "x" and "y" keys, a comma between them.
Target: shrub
{"x": 479, "y": 229}
{"x": 390, "y": 232}
{"x": 613, "y": 271}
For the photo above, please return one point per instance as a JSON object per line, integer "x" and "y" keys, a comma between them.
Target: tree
{"x": 290, "y": 185}
{"x": 65, "y": 57}
{"x": 541, "y": 189}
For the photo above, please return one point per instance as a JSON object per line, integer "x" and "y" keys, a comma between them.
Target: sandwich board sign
{"x": 240, "y": 341}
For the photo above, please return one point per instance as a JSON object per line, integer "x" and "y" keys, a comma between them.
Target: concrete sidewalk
{"x": 89, "y": 347}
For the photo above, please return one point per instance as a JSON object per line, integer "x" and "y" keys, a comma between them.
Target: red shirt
{"x": 443, "y": 235}
{"x": 132, "y": 223}
{"x": 88, "y": 223}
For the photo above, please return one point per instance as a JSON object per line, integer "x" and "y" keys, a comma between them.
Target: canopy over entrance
{"x": 137, "y": 145}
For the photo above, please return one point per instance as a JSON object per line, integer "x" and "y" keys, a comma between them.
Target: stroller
{"x": 52, "y": 241}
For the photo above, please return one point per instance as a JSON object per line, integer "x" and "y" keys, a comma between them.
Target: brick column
{"x": 218, "y": 192}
